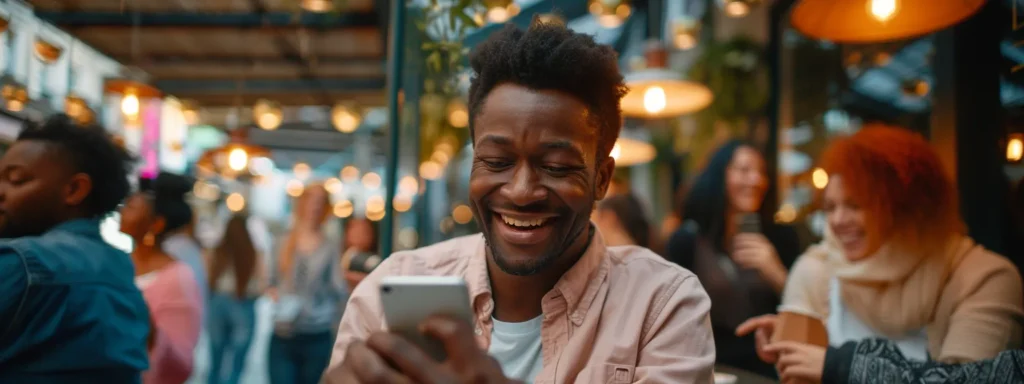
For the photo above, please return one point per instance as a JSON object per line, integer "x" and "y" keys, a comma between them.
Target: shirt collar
{"x": 579, "y": 285}
{"x": 87, "y": 227}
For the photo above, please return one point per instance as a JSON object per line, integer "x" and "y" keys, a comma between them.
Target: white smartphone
{"x": 409, "y": 300}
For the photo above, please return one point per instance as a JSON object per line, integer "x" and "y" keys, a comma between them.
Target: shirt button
{"x": 479, "y": 331}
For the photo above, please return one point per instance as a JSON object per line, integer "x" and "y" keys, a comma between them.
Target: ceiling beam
{"x": 568, "y": 9}
{"x": 205, "y": 86}
{"x": 174, "y": 59}
{"x": 209, "y": 20}
{"x": 286, "y": 98}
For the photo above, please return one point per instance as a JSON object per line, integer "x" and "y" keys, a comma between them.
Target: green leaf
{"x": 467, "y": 22}
{"x": 434, "y": 61}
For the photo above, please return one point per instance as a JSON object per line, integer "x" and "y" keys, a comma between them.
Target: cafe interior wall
{"x": 80, "y": 68}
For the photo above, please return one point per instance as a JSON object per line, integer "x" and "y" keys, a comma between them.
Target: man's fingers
{"x": 406, "y": 357}
{"x": 457, "y": 337}
{"x": 368, "y": 367}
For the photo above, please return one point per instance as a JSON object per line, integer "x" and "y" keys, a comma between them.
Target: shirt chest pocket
{"x": 606, "y": 374}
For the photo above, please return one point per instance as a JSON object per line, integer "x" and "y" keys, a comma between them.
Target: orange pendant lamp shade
{"x": 871, "y": 21}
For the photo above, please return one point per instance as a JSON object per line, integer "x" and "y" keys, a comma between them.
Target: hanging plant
{"x": 443, "y": 28}
{"x": 736, "y": 73}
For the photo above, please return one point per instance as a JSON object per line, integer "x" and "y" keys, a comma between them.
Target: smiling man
{"x": 553, "y": 304}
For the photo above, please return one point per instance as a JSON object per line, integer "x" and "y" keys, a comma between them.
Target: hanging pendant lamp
{"x": 629, "y": 152}
{"x": 232, "y": 159}
{"x": 872, "y": 21}
{"x": 132, "y": 93}
{"x": 658, "y": 92}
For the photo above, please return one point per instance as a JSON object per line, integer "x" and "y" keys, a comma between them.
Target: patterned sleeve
{"x": 880, "y": 361}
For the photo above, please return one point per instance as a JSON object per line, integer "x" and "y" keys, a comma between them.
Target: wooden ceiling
{"x": 230, "y": 52}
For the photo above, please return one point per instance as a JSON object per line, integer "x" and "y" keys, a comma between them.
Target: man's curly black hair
{"x": 549, "y": 56}
{"x": 89, "y": 150}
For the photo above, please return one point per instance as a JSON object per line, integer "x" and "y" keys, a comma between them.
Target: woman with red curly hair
{"x": 895, "y": 264}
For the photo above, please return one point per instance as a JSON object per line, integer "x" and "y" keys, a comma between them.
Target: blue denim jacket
{"x": 69, "y": 309}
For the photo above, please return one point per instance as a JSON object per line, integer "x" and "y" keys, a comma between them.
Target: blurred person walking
{"x": 236, "y": 281}
{"x": 69, "y": 311}
{"x": 169, "y": 286}
{"x": 309, "y": 296}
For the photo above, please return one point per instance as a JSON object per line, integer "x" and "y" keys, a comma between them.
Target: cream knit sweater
{"x": 969, "y": 300}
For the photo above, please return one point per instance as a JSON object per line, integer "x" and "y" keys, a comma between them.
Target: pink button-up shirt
{"x": 620, "y": 315}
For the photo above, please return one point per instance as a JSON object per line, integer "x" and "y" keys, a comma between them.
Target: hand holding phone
{"x": 430, "y": 338}
{"x": 389, "y": 358}
{"x": 408, "y": 301}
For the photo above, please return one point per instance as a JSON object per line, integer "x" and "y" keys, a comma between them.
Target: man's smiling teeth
{"x": 523, "y": 223}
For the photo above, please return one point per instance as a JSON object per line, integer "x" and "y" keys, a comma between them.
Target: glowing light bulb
{"x": 431, "y": 170}
{"x": 616, "y": 152}
{"x": 294, "y": 188}
{"x": 462, "y": 214}
{"x": 371, "y": 180}
{"x": 269, "y": 121}
{"x": 301, "y": 171}
{"x": 401, "y": 203}
{"x": 238, "y": 159}
{"x": 654, "y": 99}
{"x": 786, "y": 213}
{"x": 882, "y": 10}
{"x": 349, "y": 173}
{"x": 345, "y": 120}
{"x": 343, "y": 209}
{"x": 497, "y": 15}
{"x": 408, "y": 185}
{"x": 737, "y": 9}
{"x": 375, "y": 203}
{"x": 235, "y": 202}
{"x": 333, "y": 185}
{"x": 819, "y": 178}
{"x": 1014, "y": 149}
{"x": 130, "y": 104}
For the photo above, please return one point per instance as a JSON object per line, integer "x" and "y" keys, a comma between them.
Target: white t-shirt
{"x": 517, "y": 348}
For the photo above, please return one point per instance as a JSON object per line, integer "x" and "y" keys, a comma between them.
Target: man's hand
{"x": 763, "y": 327}
{"x": 388, "y": 358}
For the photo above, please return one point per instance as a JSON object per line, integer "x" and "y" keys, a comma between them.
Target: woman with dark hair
{"x": 235, "y": 284}
{"x": 729, "y": 239}
{"x": 168, "y": 286}
{"x": 622, "y": 221}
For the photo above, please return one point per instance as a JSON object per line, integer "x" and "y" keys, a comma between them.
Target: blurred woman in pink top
{"x": 169, "y": 286}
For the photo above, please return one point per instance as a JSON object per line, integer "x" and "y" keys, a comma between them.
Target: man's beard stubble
{"x": 550, "y": 256}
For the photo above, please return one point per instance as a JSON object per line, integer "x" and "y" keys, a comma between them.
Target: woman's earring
{"x": 149, "y": 240}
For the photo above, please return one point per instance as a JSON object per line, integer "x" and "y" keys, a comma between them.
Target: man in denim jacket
{"x": 69, "y": 308}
